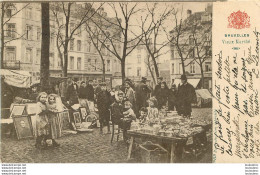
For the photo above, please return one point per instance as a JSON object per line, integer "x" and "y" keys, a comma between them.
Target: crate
{"x": 153, "y": 153}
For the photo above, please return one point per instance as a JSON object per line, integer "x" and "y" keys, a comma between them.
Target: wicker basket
{"x": 153, "y": 153}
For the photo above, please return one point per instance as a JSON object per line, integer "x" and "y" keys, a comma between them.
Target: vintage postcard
{"x": 159, "y": 82}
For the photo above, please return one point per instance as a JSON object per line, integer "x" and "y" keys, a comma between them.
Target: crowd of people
{"x": 119, "y": 105}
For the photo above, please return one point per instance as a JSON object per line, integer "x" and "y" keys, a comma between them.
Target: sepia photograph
{"x": 138, "y": 73}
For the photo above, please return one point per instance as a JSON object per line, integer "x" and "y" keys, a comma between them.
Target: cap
{"x": 160, "y": 78}
{"x": 103, "y": 84}
{"x": 183, "y": 77}
{"x": 144, "y": 78}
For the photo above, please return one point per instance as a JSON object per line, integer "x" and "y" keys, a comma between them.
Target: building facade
{"x": 196, "y": 49}
{"x": 23, "y": 52}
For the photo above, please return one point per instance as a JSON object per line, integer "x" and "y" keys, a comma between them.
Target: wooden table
{"x": 171, "y": 140}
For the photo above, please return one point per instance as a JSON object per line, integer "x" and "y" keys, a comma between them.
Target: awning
{"x": 21, "y": 79}
{"x": 194, "y": 82}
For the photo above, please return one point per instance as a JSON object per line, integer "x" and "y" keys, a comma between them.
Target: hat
{"x": 144, "y": 78}
{"x": 103, "y": 84}
{"x": 75, "y": 79}
{"x": 183, "y": 77}
{"x": 160, "y": 78}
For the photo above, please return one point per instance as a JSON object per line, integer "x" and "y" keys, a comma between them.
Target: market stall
{"x": 170, "y": 128}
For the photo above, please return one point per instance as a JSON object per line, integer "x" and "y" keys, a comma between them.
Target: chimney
{"x": 188, "y": 13}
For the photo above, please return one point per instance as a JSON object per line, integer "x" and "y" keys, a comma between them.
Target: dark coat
{"x": 142, "y": 94}
{"x": 117, "y": 110}
{"x": 172, "y": 100}
{"x": 72, "y": 94}
{"x": 156, "y": 88}
{"x": 103, "y": 104}
{"x": 186, "y": 96}
{"x": 83, "y": 92}
{"x": 90, "y": 92}
{"x": 162, "y": 97}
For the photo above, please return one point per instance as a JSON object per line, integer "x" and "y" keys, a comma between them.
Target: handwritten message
{"x": 236, "y": 135}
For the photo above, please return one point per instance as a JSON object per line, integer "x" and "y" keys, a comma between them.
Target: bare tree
{"x": 66, "y": 32}
{"x": 177, "y": 39}
{"x": 98, "y": 39}
{"x": 45, "y": 45}
{"x": 152, "y": 27}
{"x": 5, "y": 6}
{"x": 124, "y": 32}
{"x": 202, "y": 37}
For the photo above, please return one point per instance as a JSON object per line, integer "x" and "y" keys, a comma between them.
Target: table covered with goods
{"x": 170, "y": 128}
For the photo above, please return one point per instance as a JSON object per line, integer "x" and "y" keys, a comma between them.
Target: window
{"x": 192, "y": 67}
{"x": 95, "y": 64}
{"x": 38, "y": 56}
{"x": 128, "y": 71}
{"x": 139, "y": 71}
{"x": 139, "y": 58}
{"x": 180, "y": 68}
{"x": 208, "y": 51}
{"x": 207, "y": 66}
{"x": 79, "y": 45}
{"x": 89, "y": 46}
{"x": 191, "y": 40}
{"x": 71, "y": 63}
{"x": 173, "y": 68}
{"x": 28, "y": 55}
{"x": 108, "y": 52}
{"x": 38, "y": 33}
{"x": 139, "y": 50}
{"x": 79, "y": 63}
{"x": 8, "y": 12}
{"x": 52, "y": 40}
{"x": 51, "y": 59}
{"x": 79, "y": 31}
{"x": 72, "y": 25}
{"x": 29, "y": 13}
{"x": 11, "y": 31}
{"x": 89, "y": 65}
{"x": 72, "y": 44}
{"x": 10, "y": 53}
{"x": 29, "y": 32}
{"x": 108, "y": 65}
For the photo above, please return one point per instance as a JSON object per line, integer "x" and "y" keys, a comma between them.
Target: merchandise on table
{"x": 170, "y": 124}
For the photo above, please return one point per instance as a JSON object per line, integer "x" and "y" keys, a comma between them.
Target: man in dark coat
{"x": 103, "y": 105}
{"x": 72, "y": 92}
{"x": 90, "y": 91}
{"x": 186, "y": 96}
{"x": 142, "y": 94}
{"x": 158, "y": 86}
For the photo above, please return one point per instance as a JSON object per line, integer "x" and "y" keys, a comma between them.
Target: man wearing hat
{"x": 158, "y": 86}
{"x": 142, "y": 93}
{"x": 186, "y": 96}
{"x": 72, "y": 92}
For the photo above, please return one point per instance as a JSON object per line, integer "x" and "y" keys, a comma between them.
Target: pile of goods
{"x": 170, "y": 124}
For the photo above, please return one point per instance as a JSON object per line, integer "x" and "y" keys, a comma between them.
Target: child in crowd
{"x": 43, "y": 126}
{"x": 54, "y": 120}
{"x": 143, "y": 115}
{"x": 152, "y": 109}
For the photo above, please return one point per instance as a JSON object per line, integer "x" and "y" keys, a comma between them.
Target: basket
{"x": 153, "y": 153}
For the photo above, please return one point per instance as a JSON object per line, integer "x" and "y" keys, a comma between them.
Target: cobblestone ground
{"x": 78, "y": 148}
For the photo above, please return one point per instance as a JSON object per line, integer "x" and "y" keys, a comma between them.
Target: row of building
{"x": 83, "y": 59}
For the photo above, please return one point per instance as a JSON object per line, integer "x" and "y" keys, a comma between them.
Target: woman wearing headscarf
{"x": 162, "y": 95}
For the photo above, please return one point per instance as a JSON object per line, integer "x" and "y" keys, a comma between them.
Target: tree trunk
{"x": 2, "y": 35}
{"x": 65, "y": 65}
{"x": 123, "y": 70}
{"x": 183, "y": 66}
{"x": 45, "y": 46}
{"x": 202, "y": 76}
{"x": 104, "y": 69}
{"x": 155, "y": 66}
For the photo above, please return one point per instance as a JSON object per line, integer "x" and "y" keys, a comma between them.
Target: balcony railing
{"x": 15, "y": 65}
